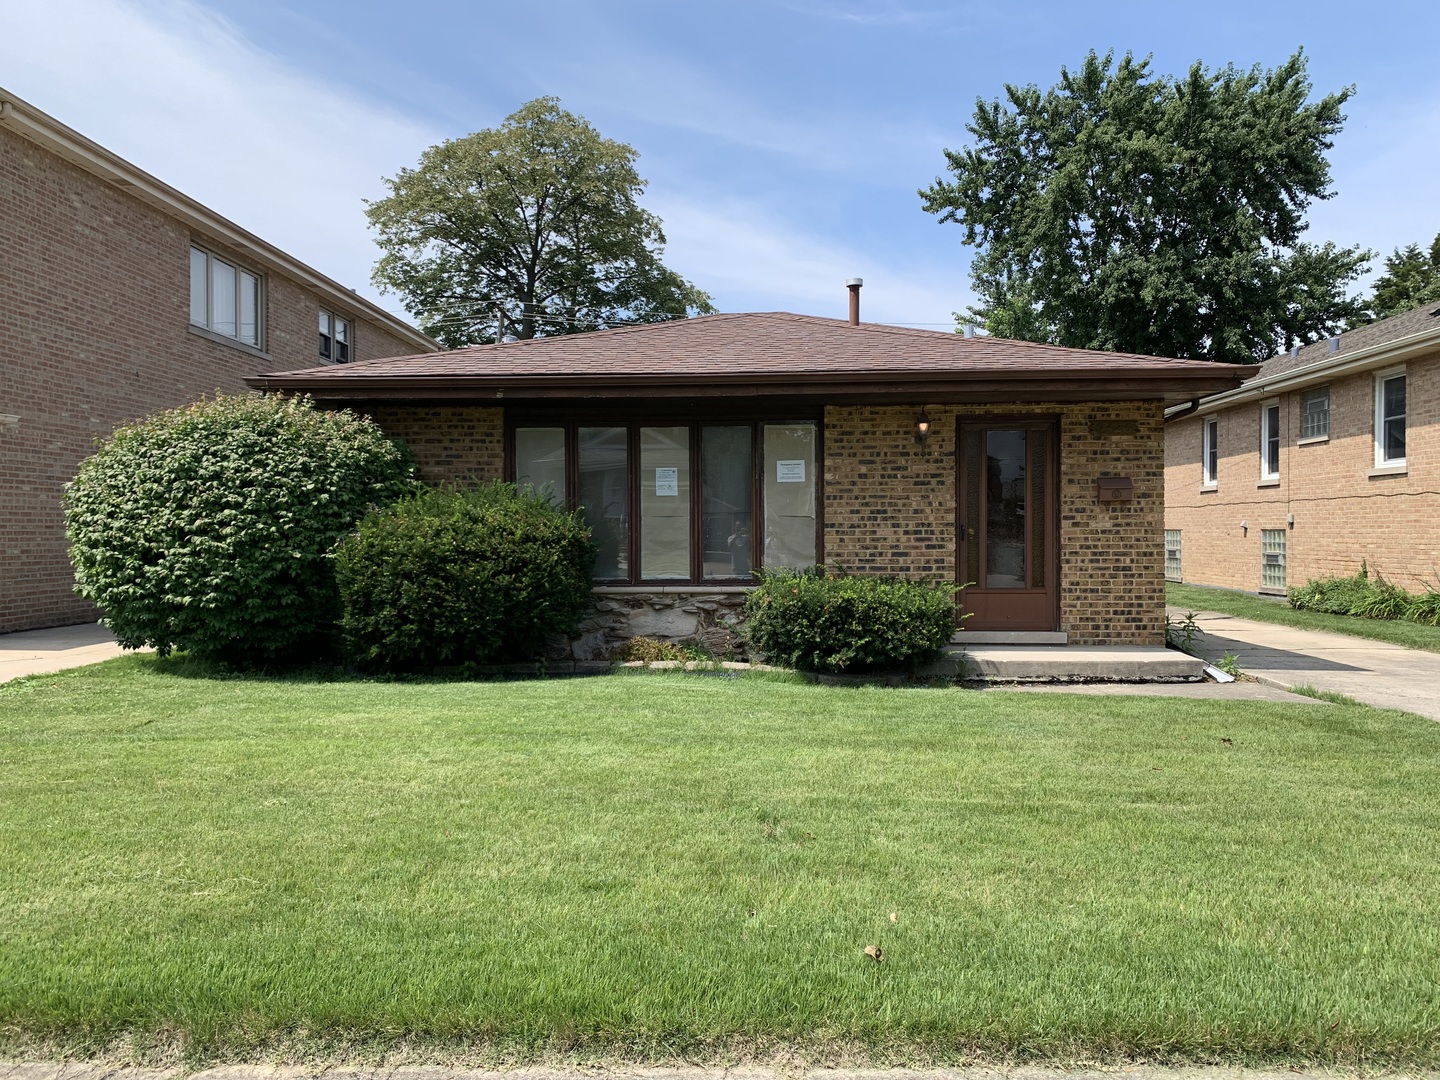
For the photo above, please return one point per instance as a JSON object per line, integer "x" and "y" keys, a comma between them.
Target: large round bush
{"x": 210, "y": 528}
{"x": 454, "y": 577}
{"x": 816, "y": 621}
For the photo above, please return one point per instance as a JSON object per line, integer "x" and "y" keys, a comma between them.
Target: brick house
{"x": 705, "y": 447}
{"x": 1329, "y": 456}
{"x": 120, "y": 296}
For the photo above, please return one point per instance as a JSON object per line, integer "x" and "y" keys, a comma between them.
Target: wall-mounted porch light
{"x": 922, "y": 427}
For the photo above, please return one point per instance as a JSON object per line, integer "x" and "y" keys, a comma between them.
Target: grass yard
{"x": 1276, "y": 610}
{"x": 680, "y": 866}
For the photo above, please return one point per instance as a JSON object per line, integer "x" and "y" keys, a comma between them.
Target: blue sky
{"x": 784, "y": 142}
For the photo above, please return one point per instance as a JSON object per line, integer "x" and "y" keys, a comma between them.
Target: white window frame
{"x": 240, "y": 272}
{"x": 1266, "y": 435}
{"x": 1209, "y": 444}
{"x": 349, "y": 324}
{"x": 1381, "y": 378}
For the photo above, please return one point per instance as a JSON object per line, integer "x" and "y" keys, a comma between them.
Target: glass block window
{"x": 1172, "y": 554}
{"x": 1315, "y": 413}
{"x": 1272, "y": 558}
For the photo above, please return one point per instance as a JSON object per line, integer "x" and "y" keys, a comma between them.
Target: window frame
{"x": 1380, "y": 417}
{"x": 349, "y": 322}
{"x": 208, "y": 327}
{"x": 1209, "y": 447}
{"x": 1306, "y": 435}
{"x": 632, "y": 421}
{"x": 1270, "y": 414}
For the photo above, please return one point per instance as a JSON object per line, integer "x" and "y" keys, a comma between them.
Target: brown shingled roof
{"x": 1416, "y": 321}
{"x": 781, "y": 352}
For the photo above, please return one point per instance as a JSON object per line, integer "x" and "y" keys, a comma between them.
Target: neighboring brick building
{"x": 1330, "y": 456}
{"x": 100, "y": 323}
{"x": 704, "y": 447}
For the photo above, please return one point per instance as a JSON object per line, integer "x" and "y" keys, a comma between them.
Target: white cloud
{"x": 180, "y": 92}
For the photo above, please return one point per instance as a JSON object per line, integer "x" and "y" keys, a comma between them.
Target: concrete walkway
{"x": 1375, "y": 672}
{"x": 39, "y": 652}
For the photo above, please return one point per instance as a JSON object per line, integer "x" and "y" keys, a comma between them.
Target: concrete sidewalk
{"x": 40, "y": 652}
{"x": 1375, "y": 672}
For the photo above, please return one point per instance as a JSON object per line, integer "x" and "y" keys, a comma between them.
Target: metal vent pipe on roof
{"x": 853, "y": 284}
{"x": 1334, "y": 344}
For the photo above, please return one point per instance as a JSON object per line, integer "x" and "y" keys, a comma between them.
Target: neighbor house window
{"x": 1315, "y": 413}
{"x": 224, "y": 298}
{"x": 1270, "y": 440}
{"x": 1172, "y": 554}
{"x": 681, "y": 502}
{"x": 1210, "y": 450}
{"x": 1390, "y": 418}
{"x": 336, "y": 335}
{"x": 1272, "y": 558}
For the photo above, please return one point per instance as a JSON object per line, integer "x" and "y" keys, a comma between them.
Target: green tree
{"x": 1411, "y": 278}
{"x": 533, "y": 225}
{"x": 1120, "y": 210}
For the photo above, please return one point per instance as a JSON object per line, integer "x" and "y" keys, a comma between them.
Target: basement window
{"x": 1272, "y": 559}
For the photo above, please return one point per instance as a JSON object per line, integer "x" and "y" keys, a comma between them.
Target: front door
{"x": 1008, "y": 495}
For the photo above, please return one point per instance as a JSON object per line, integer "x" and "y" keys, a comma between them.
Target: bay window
{"x": 681, "y": 502}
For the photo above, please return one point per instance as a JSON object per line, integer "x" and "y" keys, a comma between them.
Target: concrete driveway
{"x": 39, "y": 652}
{"x": 1377, "y": 673}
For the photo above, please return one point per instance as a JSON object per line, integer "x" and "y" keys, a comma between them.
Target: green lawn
{"x": 663, "y": 866}
{"x": 1276, "y": 610}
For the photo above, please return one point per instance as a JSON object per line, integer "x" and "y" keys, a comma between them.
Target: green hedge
{"x": 822, "y": 622}
{"x": 209, "y": 528}
{"x": 455, "y": 577}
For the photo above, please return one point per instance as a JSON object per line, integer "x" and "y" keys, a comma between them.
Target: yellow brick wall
{"x": 890, "y": 507}
{"x": 1342, "y": 513}
{"x": 453, "y": 444}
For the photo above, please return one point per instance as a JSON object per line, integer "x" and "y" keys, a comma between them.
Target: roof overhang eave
{"x": 1145, "y": 383}
{"x": 1323, "y": 371}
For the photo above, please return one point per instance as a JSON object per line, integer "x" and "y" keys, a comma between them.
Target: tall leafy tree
{"x": 1411, "y": 278}
{"x": 1124, "y": 211}
{"x": 529, "y": 229}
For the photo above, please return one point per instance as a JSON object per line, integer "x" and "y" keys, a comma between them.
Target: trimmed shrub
{"x": 209, "y": 528}
{"x": 823, "y": 622}
{"x": 456, "y": 577}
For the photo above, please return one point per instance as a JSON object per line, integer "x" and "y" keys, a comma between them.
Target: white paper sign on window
{"x": 667, "y": 481}
{"x": 790, "y": 472}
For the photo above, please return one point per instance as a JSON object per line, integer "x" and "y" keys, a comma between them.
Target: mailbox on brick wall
{"x": 1116, "y": 489}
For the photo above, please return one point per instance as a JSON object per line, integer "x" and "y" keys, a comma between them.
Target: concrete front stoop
{"x": 1066, "y": 663}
